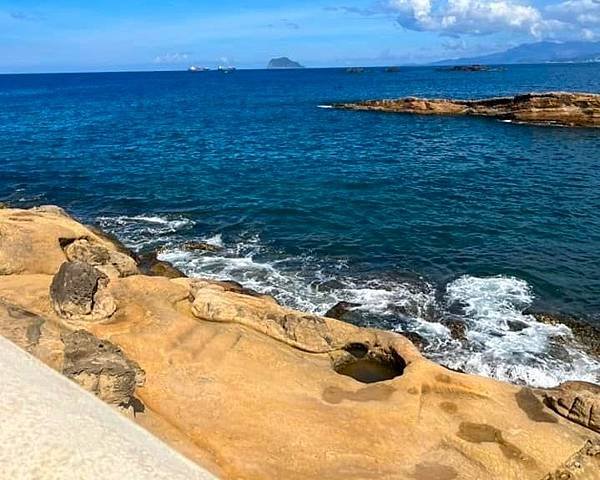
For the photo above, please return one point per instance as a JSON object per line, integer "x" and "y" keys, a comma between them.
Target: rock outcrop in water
{"x": 555, "y": 108}
{"x": 252, "y": 389}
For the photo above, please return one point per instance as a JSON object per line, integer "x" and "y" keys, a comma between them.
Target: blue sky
{"x": 68, "y": 35}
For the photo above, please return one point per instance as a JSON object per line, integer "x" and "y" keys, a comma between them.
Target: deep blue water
{"x": 408, "y": 215}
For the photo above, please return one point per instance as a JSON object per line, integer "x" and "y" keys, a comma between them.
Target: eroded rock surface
{"x": 577, "y": 401}
{"x": 254, "y": 390}
{"x": 554, "y": 108}
{"x": 101, "y": 367}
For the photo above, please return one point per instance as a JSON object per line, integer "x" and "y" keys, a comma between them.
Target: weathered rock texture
{"x": 254, "y": 390}
{"x": 554, "y": 108}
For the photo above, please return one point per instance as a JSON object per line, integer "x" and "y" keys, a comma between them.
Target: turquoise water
{"x": 415, "y": 218}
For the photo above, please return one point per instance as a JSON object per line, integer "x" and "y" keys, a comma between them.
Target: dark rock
{"x": 101, "y": 367}
{"x": 235, "y": 287}
{"x": 576, "y": 401}
{"x": 3, "y": 205}
{"x": 152, "y": 266}
{"x": 78, "y": 290}
{"x": 418, "y": 340}
{"x": 201, "y": 246}
{"x": 328, "y": 285}
{"x": 516, "y": 325}
{"x": 587, "y": 335}
{"x": 340, "y": 309}
{"x": 458, "y": 329}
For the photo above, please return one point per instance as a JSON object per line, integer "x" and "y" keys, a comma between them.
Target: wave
{"x": 142, "y": 232}
{"x": 500, "y": 341}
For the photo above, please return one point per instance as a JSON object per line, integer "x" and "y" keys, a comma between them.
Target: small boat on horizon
{"x": 196, "y": 69}
{"x": 223, "y": 69}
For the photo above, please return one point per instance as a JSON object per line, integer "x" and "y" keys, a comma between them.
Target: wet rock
{"x": 78, "y": 291}
{"x": 418, "y": 340}
{"x": 110, "y": 262}
{"x": 152, "y": 266}
{"x": 202, "y": 247}
{"x": 340, "y": 309}
{"x": 3, "y": 205}
{"x": 516, "y": 325}
{"x": 329, "y": 285}
{"x": 101, "y": 367}
{"x": 587, "y": 335}
{"x": 576, "y": 401}
{"x": 458, "y": 329}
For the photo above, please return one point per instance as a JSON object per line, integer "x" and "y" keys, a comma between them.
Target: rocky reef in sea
{"x": 252, "y": 389}
{"x": 553, "y": 108}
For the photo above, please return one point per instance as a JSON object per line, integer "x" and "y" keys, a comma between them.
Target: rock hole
{"x": 371, "y": 367}
{"x": 358, "y": 350}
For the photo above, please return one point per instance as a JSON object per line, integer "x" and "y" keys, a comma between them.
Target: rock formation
{"x": 251, "y": 389}
{"x": 283, "y": 62}
{"x": 554, "y": 108}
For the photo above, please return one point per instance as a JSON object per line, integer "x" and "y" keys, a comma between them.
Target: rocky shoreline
{"x": 552, "y": 108}
{"x": 250, "y": 389}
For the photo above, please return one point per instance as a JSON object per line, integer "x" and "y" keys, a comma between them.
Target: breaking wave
{"x": 500, "y": 340}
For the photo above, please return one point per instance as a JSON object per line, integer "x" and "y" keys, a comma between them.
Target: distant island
{"x": 283, "y": 62}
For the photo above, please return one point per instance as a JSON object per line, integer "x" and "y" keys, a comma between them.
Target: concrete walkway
{"x": 52, "y": 429}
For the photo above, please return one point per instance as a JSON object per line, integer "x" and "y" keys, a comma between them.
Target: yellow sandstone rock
{"x": 253, "y": 390}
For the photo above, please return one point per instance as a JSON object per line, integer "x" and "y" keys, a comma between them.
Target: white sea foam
{"x": 505, "y": 343}
{"x": 144, "y": 231}
{"x": 501, "y": 341}
{"x": 325, "y": 106}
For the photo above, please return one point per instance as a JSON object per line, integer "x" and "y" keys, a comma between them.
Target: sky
{"x": 110, "y": 35}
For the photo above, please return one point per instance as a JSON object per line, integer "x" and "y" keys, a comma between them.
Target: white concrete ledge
{"x": 52, "y": 429}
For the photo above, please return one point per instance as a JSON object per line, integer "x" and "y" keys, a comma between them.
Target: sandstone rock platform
{"x": 553, "y": 108}
{"x": 253, "y": 390}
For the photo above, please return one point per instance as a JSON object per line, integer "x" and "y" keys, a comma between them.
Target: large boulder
{"x": 79, "y": 291}
{"x": 112, "y": 263}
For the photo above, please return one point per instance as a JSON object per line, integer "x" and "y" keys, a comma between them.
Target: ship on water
{"x": 196, "y": 69}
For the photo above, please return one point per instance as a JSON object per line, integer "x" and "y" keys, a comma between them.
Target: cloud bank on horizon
{"x": 153, "y": 34}
{"x": 570, "y": 19}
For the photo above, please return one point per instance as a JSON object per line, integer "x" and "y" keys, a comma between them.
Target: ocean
{"x": 420, "y": 220}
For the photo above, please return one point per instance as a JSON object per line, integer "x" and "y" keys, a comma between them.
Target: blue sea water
{"x": 417, "y": 219}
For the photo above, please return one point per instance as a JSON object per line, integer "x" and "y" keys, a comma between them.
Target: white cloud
{"x": 477, "y": 17}
{"x": 172, "y": 58}
{"x": 584, "y": 12}
{"x": 570, "y": 19}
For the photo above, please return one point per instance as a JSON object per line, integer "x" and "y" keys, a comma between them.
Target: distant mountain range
{"x": 283, "y": 62}
{"x": 540, "y": 52}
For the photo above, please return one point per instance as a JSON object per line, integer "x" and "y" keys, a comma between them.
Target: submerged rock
{"x": 585, "y": 334}
{"x": 201, "y": 246}
{"x": 554, "y": 108}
